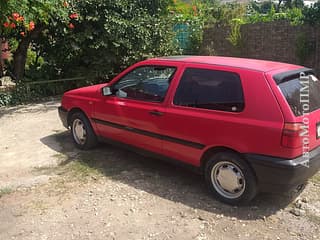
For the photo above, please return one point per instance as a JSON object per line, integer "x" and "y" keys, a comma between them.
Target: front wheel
{"x": 230, "y": 178}
{"x": 82, "y": 133}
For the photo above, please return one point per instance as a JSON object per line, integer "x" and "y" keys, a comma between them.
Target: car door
{"x": 133, "y": 113}
{"x": 203, "y": 109}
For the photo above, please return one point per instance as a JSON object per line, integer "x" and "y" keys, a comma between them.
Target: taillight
{"x": 291, "y": 135}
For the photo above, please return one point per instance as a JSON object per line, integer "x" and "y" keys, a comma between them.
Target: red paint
{"x": 258, "y": 129}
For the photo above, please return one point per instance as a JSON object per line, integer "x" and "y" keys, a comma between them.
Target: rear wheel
{"x": 82, "y": 133}
{"x": 230, "y": 178}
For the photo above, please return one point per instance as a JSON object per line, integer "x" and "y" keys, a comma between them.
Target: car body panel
{"x": 289, "y": 117}
{"x": 218, "y": 128}
{"x": 187, "y": 133}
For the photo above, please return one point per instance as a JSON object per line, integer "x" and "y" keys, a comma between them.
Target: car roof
{"x": 253, "y": 64}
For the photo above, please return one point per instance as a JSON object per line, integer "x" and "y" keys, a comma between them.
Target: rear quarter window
{"x": 210, "y": 89}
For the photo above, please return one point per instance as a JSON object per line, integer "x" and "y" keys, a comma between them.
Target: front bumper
{"x": 278, "y": 174}
{"x": 63, "y": 114}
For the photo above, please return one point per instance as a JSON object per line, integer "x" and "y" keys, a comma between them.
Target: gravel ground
{"x": 50, "y": 190}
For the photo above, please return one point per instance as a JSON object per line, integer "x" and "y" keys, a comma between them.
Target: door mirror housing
{"x": 106, "y": 91}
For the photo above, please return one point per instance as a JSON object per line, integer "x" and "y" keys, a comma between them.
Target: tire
{"x": 81, "y": 131}
{"x": 230, "y": 179}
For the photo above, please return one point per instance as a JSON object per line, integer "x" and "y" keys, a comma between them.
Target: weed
{"x": 81, "y": 169}
{"x": 5, "y": 191}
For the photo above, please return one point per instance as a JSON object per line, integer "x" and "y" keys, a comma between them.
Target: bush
{"x": 108, "y": 37}
{"x": 5, "y": 98}
{"x": 19, "y": 95}
{"x": 312, "y": 14}
{"x": 293, "y": 15}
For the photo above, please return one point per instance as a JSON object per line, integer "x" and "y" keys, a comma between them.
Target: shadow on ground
{"x": 161, "y": 179}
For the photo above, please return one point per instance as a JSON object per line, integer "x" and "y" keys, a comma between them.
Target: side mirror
{"x": 106, "y": 91}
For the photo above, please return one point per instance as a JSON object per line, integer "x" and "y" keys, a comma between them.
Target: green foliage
{"x": 280, "y": 6}
{"x": 293, "y": 15}
{"x": 24, "y": 15}
{"x": 5, "y": 98}
{"x": 235, "y": 15}
{"x": 260, "y": 7}
{"x": 289, "y": 4}
{"x": 21, "y": 94}
{"x": 192, "y": 17}
{"x": 235, "y": 35}
{"x": 193, "y": 29}
{"x": 303, "y": 48}
{"x": 232, "y": 15}
{"x": 5, "y": 191}
{"x": 14, "y": 97}
{"x": 223, "y": 14}
{"x": 24, "y": 21}
{"x": 108, "y": 37}
{"x": 312, "y": 14}
{"x": 25, "y": 92}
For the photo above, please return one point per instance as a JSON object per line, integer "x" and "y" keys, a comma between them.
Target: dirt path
{"x": 49, "y": 190}
{"x": 21, "y": 146}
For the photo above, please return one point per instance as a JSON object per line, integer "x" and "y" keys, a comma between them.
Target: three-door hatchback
{"x": 247, "y": 125}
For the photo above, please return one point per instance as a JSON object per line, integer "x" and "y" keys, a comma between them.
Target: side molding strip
{"x": 150, "y": 134}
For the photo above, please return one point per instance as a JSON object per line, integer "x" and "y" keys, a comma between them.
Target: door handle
{"x": 156, "y": 113}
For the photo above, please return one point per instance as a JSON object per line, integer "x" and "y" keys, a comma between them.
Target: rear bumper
{"x": 278, "y": 174}
{"x": 63, "y": 114}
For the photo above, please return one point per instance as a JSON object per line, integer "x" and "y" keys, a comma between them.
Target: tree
{"x": 23, "y": 21}
{"x": 312, "y": 14}
{"x": 82, "y": 37}
{"x": 109, "y": 35}
{"x": 262, "y": 7}
{"x": 289, "y": 4}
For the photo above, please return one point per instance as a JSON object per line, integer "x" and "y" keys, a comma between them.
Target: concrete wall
{"x": 277, "y": 41}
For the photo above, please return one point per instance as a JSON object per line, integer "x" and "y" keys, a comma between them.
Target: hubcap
{"x": 79, "y": 131}
{"x": 228, "y": 179}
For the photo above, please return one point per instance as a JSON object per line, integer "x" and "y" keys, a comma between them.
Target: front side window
{"x": 210, "y": 89}
{"x": 149, "y": 83}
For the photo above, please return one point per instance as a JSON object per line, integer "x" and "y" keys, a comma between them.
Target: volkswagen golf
{"x": 247, "y": 125}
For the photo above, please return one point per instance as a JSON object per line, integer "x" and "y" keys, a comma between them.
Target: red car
{"x": 248, "y": 125}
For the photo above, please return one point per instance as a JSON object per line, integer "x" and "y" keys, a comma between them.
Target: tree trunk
{"x": 1, "y": 57}
{"x": 20, "y": 55}
{"x": 1, "y": 62}
{"x": 20, "y": 58}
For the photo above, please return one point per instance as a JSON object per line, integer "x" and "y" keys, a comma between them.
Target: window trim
{"x": 144, "y": 66}
{"x": 207, "y": 109}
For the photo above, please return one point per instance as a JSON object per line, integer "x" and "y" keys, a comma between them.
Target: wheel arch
{"x": 213, "y": 150}
{"x": 251, "y": 187}
{"x": 72, "y": 111}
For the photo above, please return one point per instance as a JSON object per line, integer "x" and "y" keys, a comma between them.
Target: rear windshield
{"x": 302, "y": 93}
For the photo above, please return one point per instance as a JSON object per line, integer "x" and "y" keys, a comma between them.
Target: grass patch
{"x": 75, "y": 169}
{"x": 5, "y": 191}
{"x": 82, "y": 170}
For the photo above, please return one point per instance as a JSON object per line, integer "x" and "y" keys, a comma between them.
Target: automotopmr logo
{"x": 305, "y": 127}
